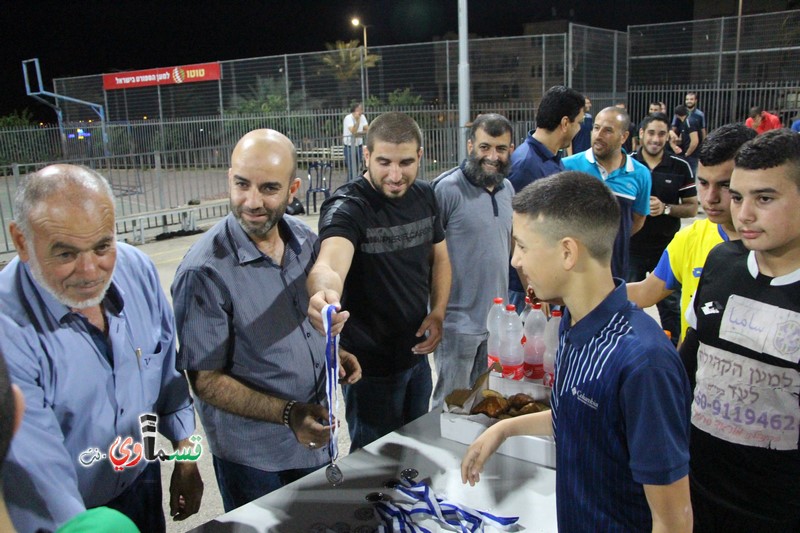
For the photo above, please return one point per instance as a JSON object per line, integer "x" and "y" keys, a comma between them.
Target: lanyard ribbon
{"x": 331, "y": 377}
{"x": 401, "y": 516}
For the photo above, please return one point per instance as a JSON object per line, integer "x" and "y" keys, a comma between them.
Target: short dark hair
{"x": 658, "y": 104}
{"x": 655, "y": 117}
{"x": 692, "y": 93}
{"x": 573, "y": 204}
{"x": 722, "y": 144}
{"x": 395, "y": 128}
{"x": 492, "y": 123}
{"x": 772, "y": 149}
{"x": 558, "y": 102}
{"x": 681, "y": 110}
{"x": 755, "y": 111}
{"x": 354, "y": 106}
{"x": 7, "y": 410}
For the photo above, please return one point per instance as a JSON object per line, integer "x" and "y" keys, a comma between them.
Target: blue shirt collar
{"x": 247, "y": 251}
{"x": 543, "y": 151}
{"x": 628, "y": 160}
{"x": 596, "y": 320}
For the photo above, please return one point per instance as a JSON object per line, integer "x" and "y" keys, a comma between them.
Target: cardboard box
{"x": 466, "y": 428}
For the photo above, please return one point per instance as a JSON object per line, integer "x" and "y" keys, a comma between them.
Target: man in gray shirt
{"x": 475, "y": 206}
{"x": 253, "y": 359}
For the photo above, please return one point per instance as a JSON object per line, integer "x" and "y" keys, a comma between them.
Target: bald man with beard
{"x": 255, "y": 363}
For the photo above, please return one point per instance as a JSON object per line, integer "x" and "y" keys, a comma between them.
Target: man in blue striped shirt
{"x": 89, "y": 338}
{"x": 620, "y": 402}
{"x": 252, "y": 357}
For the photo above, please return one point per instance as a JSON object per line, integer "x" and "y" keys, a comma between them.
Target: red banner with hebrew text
{"x": 162, "y": 76}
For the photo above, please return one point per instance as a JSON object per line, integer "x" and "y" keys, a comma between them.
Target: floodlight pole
{"x": 735, "y": 91}
{"x": 463, "y": 79}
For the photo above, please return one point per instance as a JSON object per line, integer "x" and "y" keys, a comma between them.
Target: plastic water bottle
{"x": 526, "y": 311}
{"x": 511, "y": 352}
{"x": 534, "y": 347}
{"x": 551, "y": 347}
{"x": 493, "y": 322}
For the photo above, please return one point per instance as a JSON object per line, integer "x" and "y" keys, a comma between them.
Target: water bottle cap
{"x": 511, "y": 307}
{"x": 527, "y": 300}
{"x": 537, "y": 305}
{"x": 498, "y": 300}
{"x": 557, "y": 312}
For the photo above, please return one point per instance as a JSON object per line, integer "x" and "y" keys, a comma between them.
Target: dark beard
{"x": 260, "y": 231}
{"x": 473, "y": 171}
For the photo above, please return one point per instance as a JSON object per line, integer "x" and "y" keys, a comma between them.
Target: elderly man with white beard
{"x": 89, "y": 338}
{"x": 475, "y": 205}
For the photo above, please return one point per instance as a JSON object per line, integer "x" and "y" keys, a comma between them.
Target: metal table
{"x": 508, "y": 487}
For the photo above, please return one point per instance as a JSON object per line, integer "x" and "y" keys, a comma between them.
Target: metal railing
{"x": 779, "y": 98}
{"x": 158, "y": 181}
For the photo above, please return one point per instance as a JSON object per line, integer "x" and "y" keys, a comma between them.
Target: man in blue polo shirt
{"x": 558, "y": 120}
{"x": 626, "y": 177}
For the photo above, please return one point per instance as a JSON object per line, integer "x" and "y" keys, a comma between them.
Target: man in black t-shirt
{"x": 673, "y": 196}
{"x": 382, "y": 260}
{"x": 689, "y": 135}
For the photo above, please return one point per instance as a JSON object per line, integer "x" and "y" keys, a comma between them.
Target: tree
{"x": 266, "y": 96}
{"x": 404, "y": 97}
{"x": 17, "y": 119}
{"x": 343, "y": 63}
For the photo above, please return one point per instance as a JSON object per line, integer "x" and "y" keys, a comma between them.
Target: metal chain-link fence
{"x": 512, "y": 69}
{"x": 307, "y": 95}
{"x": 731, "y": 66}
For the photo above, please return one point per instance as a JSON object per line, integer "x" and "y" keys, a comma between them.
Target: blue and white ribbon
{"x": 331, "y": 376}
{"x": 402, "y": 516}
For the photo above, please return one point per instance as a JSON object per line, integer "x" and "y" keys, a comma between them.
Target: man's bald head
{"x": 264, "y": 145}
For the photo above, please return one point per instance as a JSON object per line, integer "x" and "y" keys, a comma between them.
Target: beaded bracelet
{"x": 287, "y": 410}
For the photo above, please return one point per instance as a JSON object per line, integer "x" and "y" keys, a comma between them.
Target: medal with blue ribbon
{"x": 333, "y": 473}
{"x": 425, "y": 504}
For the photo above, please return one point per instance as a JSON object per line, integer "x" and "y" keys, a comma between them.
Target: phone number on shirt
{"x": 747, "y": 416}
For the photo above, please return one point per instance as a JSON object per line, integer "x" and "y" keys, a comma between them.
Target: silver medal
{"x": 409, "y": 474}
{"x": 334, "y": 474}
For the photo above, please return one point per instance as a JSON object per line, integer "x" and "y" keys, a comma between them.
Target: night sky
{"x": 92, "y": 37}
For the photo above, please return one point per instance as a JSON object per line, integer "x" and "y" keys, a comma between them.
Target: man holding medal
{"x": 251, "y": 355}
{"x": 383, "y": 254}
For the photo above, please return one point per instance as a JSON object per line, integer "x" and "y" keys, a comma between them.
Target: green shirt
{"x": 99, "y": 520}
